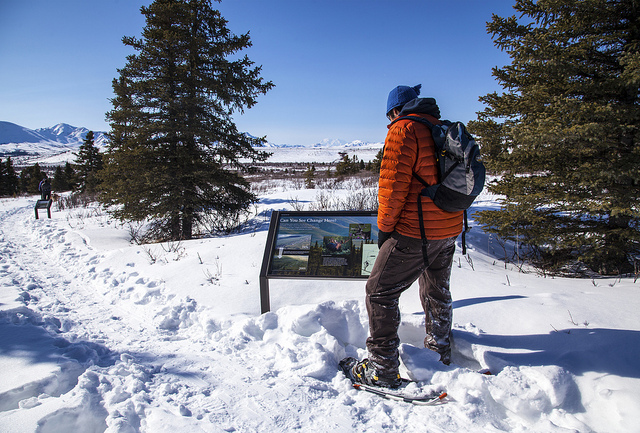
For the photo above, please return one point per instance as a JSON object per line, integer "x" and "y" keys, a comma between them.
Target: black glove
{"x": 382, "y": 237}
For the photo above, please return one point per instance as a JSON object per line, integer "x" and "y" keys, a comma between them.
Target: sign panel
{"x": 324, "y": 244}
{"x": 331, "y": 244}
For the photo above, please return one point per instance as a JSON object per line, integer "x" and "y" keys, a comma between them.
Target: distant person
{"x": 400, "y": 261}
{"x": 45, "y": 189}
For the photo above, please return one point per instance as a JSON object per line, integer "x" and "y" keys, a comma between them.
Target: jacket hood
{"x": 422, "y": 106}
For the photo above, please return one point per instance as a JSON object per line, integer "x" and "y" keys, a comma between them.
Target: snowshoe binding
{"x": 363, "y": 372}
{"x": 392, "y": 387}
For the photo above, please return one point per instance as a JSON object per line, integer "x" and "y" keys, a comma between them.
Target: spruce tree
{"x": 377, "y": 161}
{"x": 64, "y": 179}
{"x": 309, "y": 176}
{"x": 70, "y": 177}
{"x": 30, "y": 178}
{"x": 3, "y": 179}
{"x": 175, "y": 152}
{"x": 89, "y": 163}
{"x": 11, "y": 180}
{"x": 564, "y": 136}
{"x": 58, "y": 183}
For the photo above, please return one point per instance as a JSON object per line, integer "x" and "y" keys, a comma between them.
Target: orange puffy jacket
{"x": 398, "y": 190}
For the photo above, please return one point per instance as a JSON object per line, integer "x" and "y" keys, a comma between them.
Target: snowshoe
{"x": 364, "y": 379}
{"x": 363, "y": 372}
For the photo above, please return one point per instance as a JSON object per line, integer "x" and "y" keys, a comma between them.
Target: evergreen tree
{"x": 30, "y": 178}
{"x": 565, "y": 134}
{"x": 89, "y": 162}
{"x": 343, "y": 167}
{"x": 3, "y": 180}
{"x": 175, "y": 153}
{"x": 355, "y": 165}
{"x": 377, "y": 161}
{"x": 309, "y": 176}
{"x": 11, "y": 180}
{"x": 58, "y": 184}
{"x": 71, "y": 177}
{"x": 348, "y": 166}
{"x": 64, "y": 179}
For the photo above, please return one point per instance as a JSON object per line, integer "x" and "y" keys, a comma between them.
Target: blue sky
{"x": 333, "y": 61}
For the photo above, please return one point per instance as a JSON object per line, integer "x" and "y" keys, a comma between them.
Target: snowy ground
{"x": 98, "y": 334}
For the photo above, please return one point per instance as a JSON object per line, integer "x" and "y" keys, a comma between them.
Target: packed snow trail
{"x": 95, "y": 338}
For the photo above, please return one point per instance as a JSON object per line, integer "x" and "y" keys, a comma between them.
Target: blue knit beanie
{"x": 401, "y": 95}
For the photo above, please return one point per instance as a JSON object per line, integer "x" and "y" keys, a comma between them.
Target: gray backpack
{"x": 461, "y": 173}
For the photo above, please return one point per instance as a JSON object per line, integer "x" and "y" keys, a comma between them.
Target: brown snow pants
{"x": 399, "y": 264}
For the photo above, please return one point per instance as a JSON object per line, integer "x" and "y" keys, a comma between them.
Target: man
{"x": 400, "y": 261}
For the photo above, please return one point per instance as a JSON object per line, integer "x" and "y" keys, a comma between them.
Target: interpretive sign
{"x": 43, "y": 204}
{"x": 332, "y": 244}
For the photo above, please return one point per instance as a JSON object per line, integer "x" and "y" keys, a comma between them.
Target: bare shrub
{"x": 224, "y": 222}
{"x": 76, "y": 200}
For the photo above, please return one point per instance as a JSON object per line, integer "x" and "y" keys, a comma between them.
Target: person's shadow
{"x": 576, "y": 350}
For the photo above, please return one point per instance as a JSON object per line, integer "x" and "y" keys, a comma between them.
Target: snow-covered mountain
{"x": 16, "y": 140}
{"x": 325, "y": 143}
{"x": 64, "y": 133}
{"x": 58, "y": 144}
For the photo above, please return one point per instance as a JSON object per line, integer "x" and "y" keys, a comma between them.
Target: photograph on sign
{"x": 329, "y": 246}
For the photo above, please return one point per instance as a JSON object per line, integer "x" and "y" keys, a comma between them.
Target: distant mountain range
{"x": 58, "y": 144}
{"x": 327, "y": 143}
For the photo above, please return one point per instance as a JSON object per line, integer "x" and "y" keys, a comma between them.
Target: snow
{"x": 98, "y": 334}
{"x": 50, "y": 146}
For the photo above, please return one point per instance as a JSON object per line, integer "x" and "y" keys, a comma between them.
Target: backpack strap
{"x": 465, "y": 229}
{"x": 439, "y": 160}
{"x": 423, "y": 234}
{"x": 416, "y": 118}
